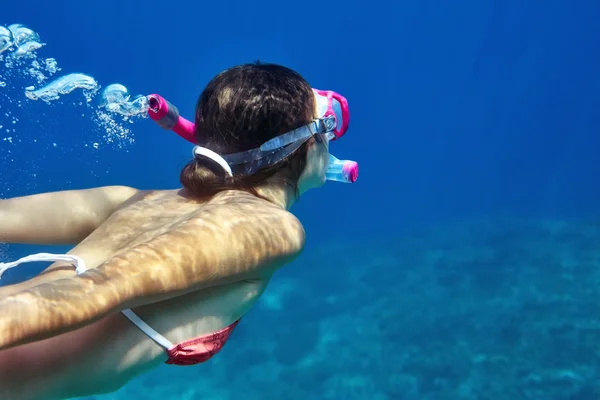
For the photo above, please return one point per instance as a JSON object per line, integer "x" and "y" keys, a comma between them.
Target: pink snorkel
{"x": 166, "y": 115}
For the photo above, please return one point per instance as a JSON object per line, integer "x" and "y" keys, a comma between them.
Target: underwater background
{"x": 463, "y": 263}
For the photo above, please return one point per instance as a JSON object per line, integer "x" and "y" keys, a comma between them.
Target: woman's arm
{"x": 64, "y": 217}
{"x": 193, "y": 255}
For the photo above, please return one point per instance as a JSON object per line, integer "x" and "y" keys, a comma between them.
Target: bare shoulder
{"x": 256, "y": 224}
{"x": 231, "y": 237}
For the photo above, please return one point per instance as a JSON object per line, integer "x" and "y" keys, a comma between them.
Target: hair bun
{"x": 203, "y": 161}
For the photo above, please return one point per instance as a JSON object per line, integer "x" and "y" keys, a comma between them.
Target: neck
{"x": 278, "y": 193}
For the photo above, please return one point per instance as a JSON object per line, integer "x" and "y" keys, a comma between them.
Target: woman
{"x": 183, "y": 266}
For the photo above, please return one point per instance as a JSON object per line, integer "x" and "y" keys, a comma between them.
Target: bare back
{"x": 146, "y": 219}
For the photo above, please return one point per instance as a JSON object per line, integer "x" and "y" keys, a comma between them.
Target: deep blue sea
{"x": 465, "y": 261}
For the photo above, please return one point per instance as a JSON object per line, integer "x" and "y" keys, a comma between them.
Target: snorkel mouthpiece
{"x": 166, "y": 115}
{"x": 345, "y": 171}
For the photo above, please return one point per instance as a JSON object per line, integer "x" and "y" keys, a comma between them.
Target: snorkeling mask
{"x": 332, "y": 123}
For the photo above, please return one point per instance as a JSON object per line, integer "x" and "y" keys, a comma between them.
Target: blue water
{"x": 463, "y": 264}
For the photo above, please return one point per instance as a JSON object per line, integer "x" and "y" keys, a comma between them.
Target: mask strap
{"x": 203, "y": 151}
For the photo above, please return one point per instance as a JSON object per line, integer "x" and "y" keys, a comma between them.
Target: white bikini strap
{"x": 76, "y": 261}
{"x": 80, "y": 268}
{"x": 147, "y": 329}
{"x": 137, "y": 321}
{"x": 144, "y": 327}
{"x": 203, "y": 151}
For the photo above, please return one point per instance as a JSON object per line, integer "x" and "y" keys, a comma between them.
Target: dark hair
{"x": 239, "y": 110}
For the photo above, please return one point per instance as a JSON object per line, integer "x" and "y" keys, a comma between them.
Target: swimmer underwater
{"x": 164, "y": 276}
